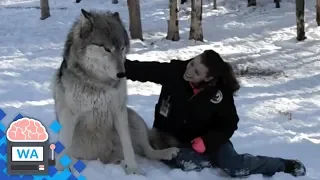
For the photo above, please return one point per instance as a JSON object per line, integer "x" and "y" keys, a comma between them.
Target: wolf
{"x": 90, "y": 96}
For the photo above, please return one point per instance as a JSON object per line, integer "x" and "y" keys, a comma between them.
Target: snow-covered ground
{"x": 279, "y": 114}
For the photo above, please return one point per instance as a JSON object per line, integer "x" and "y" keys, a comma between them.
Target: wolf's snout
{"x": 121, "y": 75}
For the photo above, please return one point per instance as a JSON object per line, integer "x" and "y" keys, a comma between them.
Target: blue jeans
{"x": 234, "y": 164}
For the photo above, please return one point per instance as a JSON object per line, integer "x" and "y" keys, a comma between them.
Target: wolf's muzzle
{"x": 121, "y": 75}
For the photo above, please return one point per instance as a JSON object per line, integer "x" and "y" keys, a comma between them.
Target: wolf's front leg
{"x": 68, "y": 121}
{"x": 122, "y": 127}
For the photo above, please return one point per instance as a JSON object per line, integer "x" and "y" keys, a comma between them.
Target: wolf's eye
{"x": 106, "y": 49}
{"x": 97, "y": 44}
{"x": 122, "y": 48}
{"x": 101, "y": 45}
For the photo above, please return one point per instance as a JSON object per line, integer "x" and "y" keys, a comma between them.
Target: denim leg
{"x": 240, "y": 165}
{"x": 189, "y": 160}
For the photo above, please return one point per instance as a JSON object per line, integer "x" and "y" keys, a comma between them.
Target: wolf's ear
{"x": 86, "y": 20}
{"x": 86, "y": 17}
{"x": 86, "y": 14}
{"x": 117, "y": 16}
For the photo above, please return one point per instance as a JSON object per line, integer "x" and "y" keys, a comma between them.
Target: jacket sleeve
{"x": 228, "y": 118}
{"x": 153, "y": 71}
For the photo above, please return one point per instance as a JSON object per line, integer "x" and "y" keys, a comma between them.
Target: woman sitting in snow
{"x": 196, "y": 107}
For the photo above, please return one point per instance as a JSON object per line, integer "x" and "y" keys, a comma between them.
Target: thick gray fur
{"x": 162, "y": 140}
{"x": 90, "y": 100}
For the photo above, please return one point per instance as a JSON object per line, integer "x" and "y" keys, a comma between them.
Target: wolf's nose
{"x": 121, "y": 75}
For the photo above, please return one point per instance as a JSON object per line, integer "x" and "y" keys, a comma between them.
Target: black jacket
{"x": 189, "y": 116}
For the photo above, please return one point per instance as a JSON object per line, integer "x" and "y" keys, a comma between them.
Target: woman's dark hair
{"x": 221, "y": 71}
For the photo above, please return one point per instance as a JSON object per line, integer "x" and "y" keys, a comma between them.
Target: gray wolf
{"x": 90, "y": 96}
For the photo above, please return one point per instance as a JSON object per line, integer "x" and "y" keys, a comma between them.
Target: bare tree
{"x": 277, "y": 3}
{"x": 300, "y": 20}
{"x": 173, "y": 22}
{"x": 135, "y": 26}
{"x": 196, "y": 21}
{"x": 252, "y": 3}
{"x": 214, "y": 4}
{"x": 45, "y": 10}
{"x": 318, "y": 12}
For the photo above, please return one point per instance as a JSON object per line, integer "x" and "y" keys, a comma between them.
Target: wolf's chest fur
{"x": 98, "y": 105}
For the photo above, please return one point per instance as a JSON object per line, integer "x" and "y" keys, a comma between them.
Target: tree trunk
{"x": 277, "y": 3}
{"x": 318, "y": 12}
{"x": 173, "y": 23}
{"x": 252, "y": 3}
{"x": 45, "y": 10}
{"x": 300, "y": 20}
{"x": 135, "y": 26}
{"x": 214, "y": 4}
{"x": 196, "y": 20}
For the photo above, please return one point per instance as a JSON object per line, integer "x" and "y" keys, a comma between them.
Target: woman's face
{"x": 196, "y": 72}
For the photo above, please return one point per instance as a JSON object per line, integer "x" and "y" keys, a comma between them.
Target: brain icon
{"x": 27, "y": 130}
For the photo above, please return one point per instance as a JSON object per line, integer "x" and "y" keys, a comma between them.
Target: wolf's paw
{"x": 170, "y": 153}
{"x": 116, "y": 162}
{"x": 132, "y": 169}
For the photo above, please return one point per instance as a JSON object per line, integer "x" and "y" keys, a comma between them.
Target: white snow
{"x": 254, "y": 37}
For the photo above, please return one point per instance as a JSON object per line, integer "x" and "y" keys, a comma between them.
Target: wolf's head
{"x": 97, "y": 45}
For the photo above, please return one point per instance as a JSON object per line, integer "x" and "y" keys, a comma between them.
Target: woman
{"x": 196, "y": 107}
